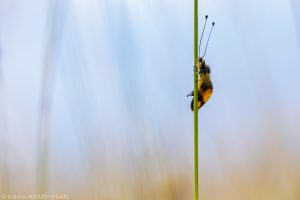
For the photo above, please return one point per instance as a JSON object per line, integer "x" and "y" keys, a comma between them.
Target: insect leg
{"x": 196, "y": 70}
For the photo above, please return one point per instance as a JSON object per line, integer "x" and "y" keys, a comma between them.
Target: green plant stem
{"x": 196, "y": 196}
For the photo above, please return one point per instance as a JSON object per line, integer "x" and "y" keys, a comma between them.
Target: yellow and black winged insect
{"x": 205, "y": 87}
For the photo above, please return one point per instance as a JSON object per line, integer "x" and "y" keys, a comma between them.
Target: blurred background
{"x": 93, "y": 99}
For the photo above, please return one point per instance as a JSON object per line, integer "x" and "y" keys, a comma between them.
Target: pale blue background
{"x": 121, "y": 72}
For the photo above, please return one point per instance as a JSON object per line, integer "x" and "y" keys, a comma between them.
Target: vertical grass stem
{"x": 196, "y": 195}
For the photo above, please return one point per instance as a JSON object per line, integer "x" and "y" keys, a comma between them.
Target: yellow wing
{"x": 207, "y": 94}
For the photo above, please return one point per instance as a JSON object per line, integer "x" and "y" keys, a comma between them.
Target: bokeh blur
{"x": 93, "y": 99}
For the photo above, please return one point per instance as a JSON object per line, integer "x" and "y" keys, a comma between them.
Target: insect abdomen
{"x": 200, "y": 102}
{"x": 203, "y": 97}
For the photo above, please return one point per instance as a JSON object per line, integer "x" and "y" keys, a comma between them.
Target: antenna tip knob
{"x": 206, "y": 16}
{"x": 213, "y": 23}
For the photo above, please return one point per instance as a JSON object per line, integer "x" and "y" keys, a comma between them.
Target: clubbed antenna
{"x": 213, "y": 24}
{"x": 206, "y": 16}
